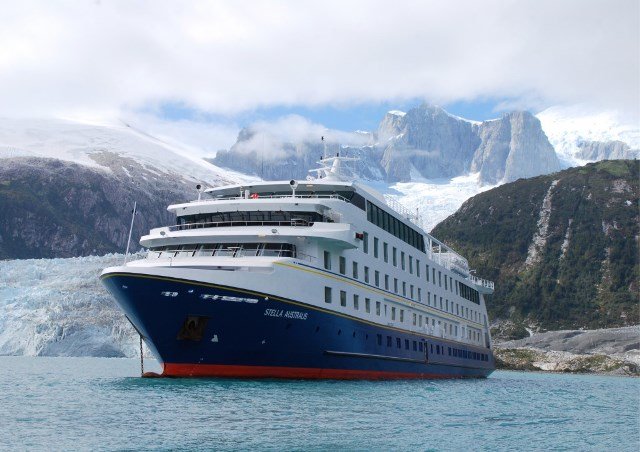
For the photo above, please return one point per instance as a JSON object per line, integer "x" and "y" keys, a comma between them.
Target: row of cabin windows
{"x": 238, "y": 218}
{"x": 396, "y": 227}
{"x": 401, "y": 288}
{"x": 407, "y": 263}
{"x": 417, "y": 345}
{"x": 467, "y": 354}
{"x": 396, "y": 314}
{"x": 224, "y": 250}
{"x": 453, "y": 308}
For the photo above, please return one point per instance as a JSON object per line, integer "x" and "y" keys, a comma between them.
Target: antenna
{"x": 262, "y": 160}
{"x": 324, "y": 148}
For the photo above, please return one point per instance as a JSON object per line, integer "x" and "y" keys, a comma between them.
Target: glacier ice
{"x": 58, "y": 307}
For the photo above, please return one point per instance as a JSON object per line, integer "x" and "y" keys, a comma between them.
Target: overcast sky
{"x": 213, "y": 66}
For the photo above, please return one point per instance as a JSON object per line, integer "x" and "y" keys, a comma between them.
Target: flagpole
{"x": 133, "y": 216}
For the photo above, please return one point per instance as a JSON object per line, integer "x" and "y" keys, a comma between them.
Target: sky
{"x": 201, "y": 70}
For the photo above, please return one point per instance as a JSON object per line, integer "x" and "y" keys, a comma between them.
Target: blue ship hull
{"x": 199, "y": 329}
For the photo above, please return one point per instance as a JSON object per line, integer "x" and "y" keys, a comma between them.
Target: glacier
{"x": 58, "y": 307}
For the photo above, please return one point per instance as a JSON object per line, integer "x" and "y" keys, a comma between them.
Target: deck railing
{"x": 296, "y": 222}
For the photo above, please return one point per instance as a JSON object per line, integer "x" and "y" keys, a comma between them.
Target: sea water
{"x": 102, "y": 404}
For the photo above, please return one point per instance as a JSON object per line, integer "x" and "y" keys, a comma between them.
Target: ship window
{"x": 445, "y": 282}
{"x": 438, "y": 349}
{"x": 355, "y": 269}
{"x": 428, "y": 298}
{"x": 356, "y": 302}
{"x": 418, "y": 268}
{"x": 186, "y": 251}
{"x": 433, "y": 273}
{"x": 419, "y": 294}
{"x": 206, "y": 250}
{"x": 394, "y": 256}
{"x": 411, "y": 291}
{"x": 376, "y": 278}
{"x": 402, "y": 315}
{"x": 386, "y": 282}
{"x": 411, "y": 265}
{"x": 415, "y": 346}
{"x": 404, "y": 289}
{"x": 327, "y": 294}
{"x": 389, "y": 341}
{"x": 377, "y": 308}
{"x": 398, "y": 342}
{"x": 342, "y": 265}
{"x": 395, "y": 285}
{"x": 343, "y": 298}
{"x": 439, "y": 278}
{"x": 365, "y": 242}
{"x": 367, "y": 305}
{"x": 406, "y": 344}
{"x": 393, "y": 313}
{"x": 379, "y": 338}
{"x": 375, "y": 247}
{"x": 402, "y": 259}
{"x": 420, "y": 320}
{"x": 366, "y": 274}
{"x": 426, "y": 272}
{"x": 327, "y": 260}
{"x": 415, "y": 316}
{"x": 385, "y": 251}
{"x": 420, "y": 346}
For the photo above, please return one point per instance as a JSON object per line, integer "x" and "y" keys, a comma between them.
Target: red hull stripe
{"x": 219, "y": 370}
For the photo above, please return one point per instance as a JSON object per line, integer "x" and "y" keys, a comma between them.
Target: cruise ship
{"x": 314, "y": 279}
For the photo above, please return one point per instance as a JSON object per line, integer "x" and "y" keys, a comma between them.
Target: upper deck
{"x": 301, "y": 204}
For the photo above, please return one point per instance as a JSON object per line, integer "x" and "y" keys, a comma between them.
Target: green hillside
{"x": 562, "y": 248}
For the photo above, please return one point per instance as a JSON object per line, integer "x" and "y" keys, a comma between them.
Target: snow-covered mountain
{"x": 83, "y": 142}
{"x": 68, "y": 187}
{"x": 425, "y": 142}
{"x": 580, "y": 135}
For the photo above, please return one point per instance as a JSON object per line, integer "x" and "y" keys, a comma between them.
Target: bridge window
{"x": 249, "y": 218}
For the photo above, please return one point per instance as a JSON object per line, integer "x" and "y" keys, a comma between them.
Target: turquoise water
{"x": 95, "y": 403}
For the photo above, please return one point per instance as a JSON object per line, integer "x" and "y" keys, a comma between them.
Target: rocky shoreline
{"x": 612, "y": 351}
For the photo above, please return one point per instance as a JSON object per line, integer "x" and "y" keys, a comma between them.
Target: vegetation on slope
{"x": 583, "y": 271}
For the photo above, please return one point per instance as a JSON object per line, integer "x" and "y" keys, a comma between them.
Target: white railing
{"x": 481, "y": 282}
{"x": 413, "y": 217}
{"x": 254, "y": 196}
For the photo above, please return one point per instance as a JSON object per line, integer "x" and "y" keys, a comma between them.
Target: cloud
{"x": 271, "y": 137}
{"x": 228, "y": 57}
{"x": 200, "y": 137}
